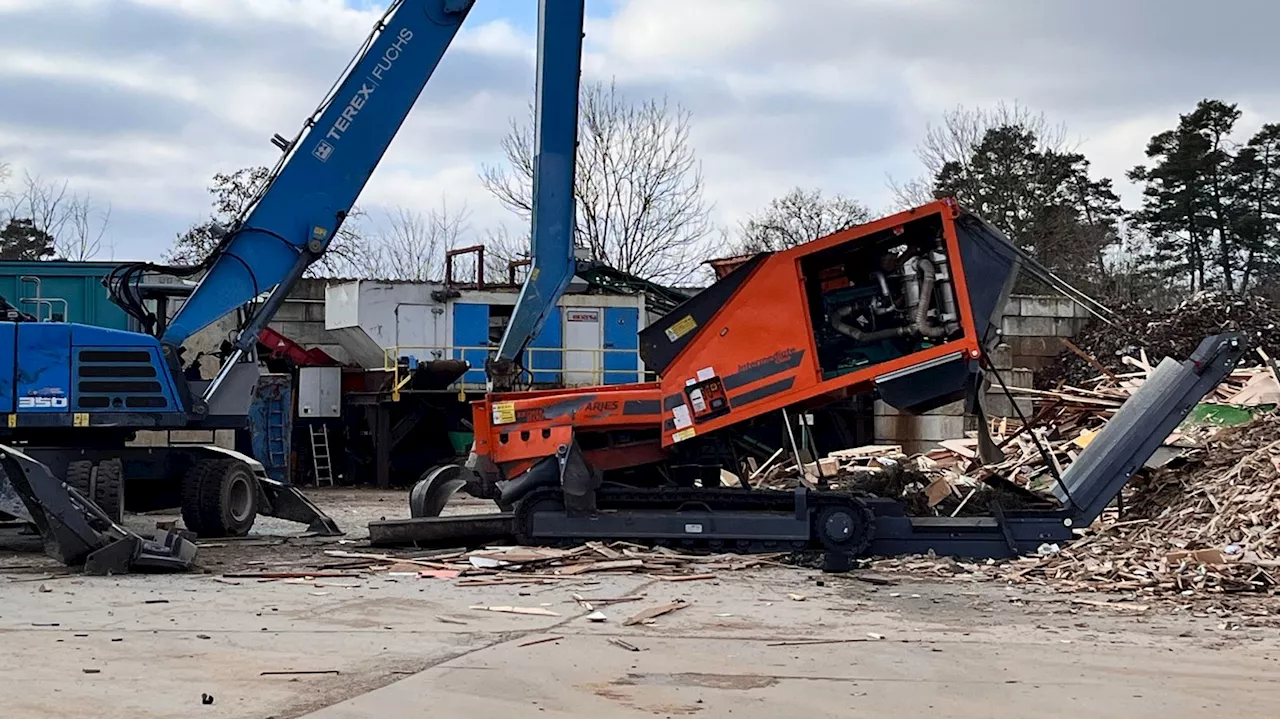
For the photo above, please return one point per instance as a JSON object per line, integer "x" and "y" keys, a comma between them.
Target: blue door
{"x": 44, "y": 367}
{"x": 470, "y": 334}
{"x": 621, "y": 332}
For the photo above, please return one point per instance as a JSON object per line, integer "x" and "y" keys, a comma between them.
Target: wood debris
{"x": 646, "y": 616}
{"x": 1211, "y": 525}
{"x": 543, "y": 640}
{"x": 517, "y": 565}
{"x": 534, "y": 611}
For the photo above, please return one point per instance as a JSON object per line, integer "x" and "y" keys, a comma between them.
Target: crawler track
{"x": 824, "y": 507}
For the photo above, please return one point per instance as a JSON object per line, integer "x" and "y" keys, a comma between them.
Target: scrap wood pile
{"x": 1173, "y": 333}
{"x": 1211, "y": 524}
{"x": 1065, "y": 420}
{"x": 950, "y": 481}
{"x": 544, "y": 565}
{"x": 953, "y": 480}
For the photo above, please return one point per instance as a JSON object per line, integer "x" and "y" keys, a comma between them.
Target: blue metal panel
{"x": 44, "y": 367}
{"x": 471, "y": 329}
{"x": 555, "y": 146}
{"x": 621, "y": 328}
{"x": 117, "y": 371}
{"x": 271, "y": 424}
{"x": 8, "y": 366}
{"x": 550, "y": 338}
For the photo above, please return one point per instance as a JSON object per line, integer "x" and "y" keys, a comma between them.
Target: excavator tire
{"x": 219, "y": 498}
{"x": 80, "y": 477}
{"x": 108, "y": 489}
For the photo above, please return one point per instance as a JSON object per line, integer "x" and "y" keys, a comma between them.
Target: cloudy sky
{"x": 139, "y": 102}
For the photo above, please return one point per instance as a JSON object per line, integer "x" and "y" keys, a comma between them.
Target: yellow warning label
{"x": 13, "y": 420}
{"x": 681, "y": 328}
{"x": 504, "y": 412}
{"x": 80, "y": 419}
{"x": 684, "y": 434}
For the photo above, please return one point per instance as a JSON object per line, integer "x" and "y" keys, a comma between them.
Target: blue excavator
{"x": 73, "y": 397}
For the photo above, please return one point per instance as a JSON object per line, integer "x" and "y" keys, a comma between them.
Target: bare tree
{"x": 506, "y": 255}
{"x": 638, "y": 184}
{"x": 411, "y": 246}
{"x": 231, "y": 195}
{"x": 962, "y": 130}
{"x": 74, "y": 222}
{"x": 798, "y": 217}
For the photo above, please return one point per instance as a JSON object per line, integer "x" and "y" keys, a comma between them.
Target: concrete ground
{"x": 395, "y": 646}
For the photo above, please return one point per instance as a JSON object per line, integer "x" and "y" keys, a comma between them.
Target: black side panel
{"x": 658, "y": 349}
{"x": 990, "y": 269}
{"x": 927, "y": 389}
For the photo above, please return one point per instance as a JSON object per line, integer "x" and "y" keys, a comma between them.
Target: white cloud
{"x": 141, "y": 101}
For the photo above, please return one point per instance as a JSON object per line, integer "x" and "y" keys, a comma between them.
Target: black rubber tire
{"x": 220, "y": 498}
{"x": 108, "y": 489}
{"x": 857, "y": 523}
{"x": 191, "y": 482}
{"x": 80, "y": 477}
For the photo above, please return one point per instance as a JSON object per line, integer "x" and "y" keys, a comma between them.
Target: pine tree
{"x": 1041, "y": 197}
{"x": 1255, "y": 187}
{"x": 1190, "y": 197}
{"x": 22, "y": 240}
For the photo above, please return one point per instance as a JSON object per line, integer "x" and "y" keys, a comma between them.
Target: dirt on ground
{"x": 760, "y": 642}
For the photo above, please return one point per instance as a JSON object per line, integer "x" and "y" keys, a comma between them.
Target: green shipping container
{"x": 62, "y": 291}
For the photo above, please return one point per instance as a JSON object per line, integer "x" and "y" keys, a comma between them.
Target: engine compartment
{"x": 881, "y": 297}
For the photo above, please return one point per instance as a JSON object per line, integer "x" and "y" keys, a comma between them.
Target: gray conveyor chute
{"x": 1142, "y": 424}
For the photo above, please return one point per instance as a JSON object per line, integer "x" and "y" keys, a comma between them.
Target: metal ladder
{"x": 320, "y": 454}
{"x": 277, "y": 441}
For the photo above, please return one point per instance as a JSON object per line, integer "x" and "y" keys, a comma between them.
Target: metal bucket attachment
{"x": 75, "y": 531}
{"x": 431, "y": 493}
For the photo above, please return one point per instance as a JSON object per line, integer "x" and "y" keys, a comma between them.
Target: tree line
{"x": 41, "y": 219}
{"x": 1208, "y": 218}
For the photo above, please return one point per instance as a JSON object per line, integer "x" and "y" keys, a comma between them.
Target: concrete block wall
{"x": 918, "y": 432}
{"x": 1033, "y": 328}
{"x": 1035, "y": 325}
{"x": 301, "y": 318}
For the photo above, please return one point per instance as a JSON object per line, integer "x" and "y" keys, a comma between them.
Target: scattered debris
{"x": 279, "y": 575}
{"x": 537, "y": 611}
{"x": 688, "y": 578}
{"x": 597, "y": 616}
{"x": 449, "y": 620}
{"x": 505, "y": 565}
{"x": 796, "y": 597}
{"x": 810, "y": 642}
{"x": 298, "y": 672}
{"x": 624, "y": 644}
{"x": 206, "y": 699}
{"x": 646, "y": 616}
{"x": 1209, "y": 524}
{"x": 543, "y": 640}
{"x": 44, "y": 588}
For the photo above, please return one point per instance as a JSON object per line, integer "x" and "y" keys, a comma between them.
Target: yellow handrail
{"x": 571, "y": 366}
